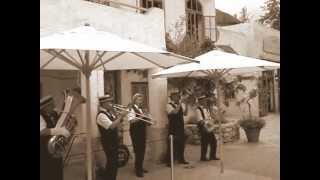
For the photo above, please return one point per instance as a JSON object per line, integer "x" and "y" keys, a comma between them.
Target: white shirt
{"x": 191, "y": 114}
{"x": 43, "y": 124}
{"x": 206, "y": 113}
{"x": 132, "y": 115}
{"x": 103, "y": 120}
{"x": 170, "y": 108}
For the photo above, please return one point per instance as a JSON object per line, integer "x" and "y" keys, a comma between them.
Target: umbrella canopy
{"x": 105, "y": 50}
{"x": 86, "y": 49}
{"x": 218, "y": 60}
{"x": 215, "y": 65}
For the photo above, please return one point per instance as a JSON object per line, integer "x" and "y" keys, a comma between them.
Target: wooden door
{"x": 142, "y": 88}
{"x": 266, "y": 93}
{"x": 112, "y": 84}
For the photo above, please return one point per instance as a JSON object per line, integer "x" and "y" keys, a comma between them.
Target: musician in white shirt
{"x": 207, "y": 135}
{"x": 108, "y": 122}
{"x": 138, "y": 132}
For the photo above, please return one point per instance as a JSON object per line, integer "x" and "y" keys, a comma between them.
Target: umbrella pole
{"x": 88, "y": 127}
{"x": 220, "y": 128}
{"x": 89, "y": 160}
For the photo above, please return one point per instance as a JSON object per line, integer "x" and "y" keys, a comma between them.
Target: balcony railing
{"x": 110, "y": 3}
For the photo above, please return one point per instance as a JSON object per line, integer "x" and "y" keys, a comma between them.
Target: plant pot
{"x": 253, "y": 134}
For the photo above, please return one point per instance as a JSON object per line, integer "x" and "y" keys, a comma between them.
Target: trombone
{"x": 118, "y": 108}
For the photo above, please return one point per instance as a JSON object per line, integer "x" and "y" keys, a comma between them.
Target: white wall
{"x": 61, "y": 15}
{"x": 251, "y": 40}
{"x": 237, "y": 40}
{"x": 255, "y": 39}
{"x": 233, "y": 110}
{"x": 175, "y": 12}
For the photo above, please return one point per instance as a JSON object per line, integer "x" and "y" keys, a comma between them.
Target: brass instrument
{"x": 118, "y": 108}
{"x": 57, "y": 144}
{"x": 209, "y": 127}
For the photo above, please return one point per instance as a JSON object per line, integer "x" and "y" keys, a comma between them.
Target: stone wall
{"x": 230, "y": 133}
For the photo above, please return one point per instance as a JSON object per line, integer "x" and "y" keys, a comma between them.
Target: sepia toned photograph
{"x": 159, "y": 89}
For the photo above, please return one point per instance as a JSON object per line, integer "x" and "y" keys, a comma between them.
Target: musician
{"x": 108, "y": 122}
{"x": 175, "y": 111}
{"x": 138, "y": 133}
{"x": 51, "y": 168}
{"x": 207, "y": 136}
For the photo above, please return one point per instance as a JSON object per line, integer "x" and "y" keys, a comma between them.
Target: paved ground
{"x": 242, "y": 161}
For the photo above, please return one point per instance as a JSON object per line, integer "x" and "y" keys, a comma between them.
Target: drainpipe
{"x": 164, "y": 15}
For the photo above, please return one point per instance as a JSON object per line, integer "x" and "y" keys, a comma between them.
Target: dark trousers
{"x": 111, "y": 168}
{"x": 207, "y": 139}
{"x": 50, "y": 168}
{"x": 178, "y": 148}
{"x": 110, "y": 148}
{"x": 138, "y": 138}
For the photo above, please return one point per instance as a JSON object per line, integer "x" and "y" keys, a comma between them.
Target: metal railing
{"x": 109, "y": 2}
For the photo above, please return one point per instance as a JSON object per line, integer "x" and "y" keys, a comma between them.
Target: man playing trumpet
{"x": 108, "y": 122}
{"x": 175, "y": 111}
{"x": 205, "y": 125}
{"x": 138, "y": 132}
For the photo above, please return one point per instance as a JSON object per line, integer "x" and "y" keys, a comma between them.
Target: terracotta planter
{"x": 253, "y": 134}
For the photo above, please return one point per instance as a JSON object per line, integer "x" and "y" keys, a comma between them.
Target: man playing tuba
{"x": 51, "y": 168}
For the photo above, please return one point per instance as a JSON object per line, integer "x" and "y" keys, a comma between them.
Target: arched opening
{"x": 194, "y": 19}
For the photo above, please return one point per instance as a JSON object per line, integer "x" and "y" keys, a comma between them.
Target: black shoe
{"x": 139, "y": 174}
{"x": 204, "y": 159}
{"x": 214, "y": 158}
{"x": 183, "y": 162}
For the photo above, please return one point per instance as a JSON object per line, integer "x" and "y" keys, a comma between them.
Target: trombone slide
{"x": 120, "y": 108}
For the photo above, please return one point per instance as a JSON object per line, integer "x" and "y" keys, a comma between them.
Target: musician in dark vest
{"x": 108, "y": 122}
{"x": 175, "y": 111}
{"x": 138, "y": 132}
{"x": 207, "y": 135}
{"x": 51, "y": 168}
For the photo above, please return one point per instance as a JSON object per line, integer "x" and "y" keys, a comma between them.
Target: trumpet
{"x": 118, "y": 108}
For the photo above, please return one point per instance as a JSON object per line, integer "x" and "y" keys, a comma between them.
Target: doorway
{"x": 142, "y": 88}
{"x": 266, "y": 93}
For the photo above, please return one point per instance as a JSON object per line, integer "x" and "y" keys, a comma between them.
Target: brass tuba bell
{"x": 57, "y": 144}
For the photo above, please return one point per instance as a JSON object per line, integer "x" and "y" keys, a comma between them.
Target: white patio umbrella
{"x": 215, "y": 65}
{"x": 86, "y": 49}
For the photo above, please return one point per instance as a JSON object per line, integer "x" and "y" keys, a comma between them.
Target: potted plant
{"x": 251, "y": 124}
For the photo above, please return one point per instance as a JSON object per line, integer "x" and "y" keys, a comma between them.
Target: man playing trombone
{"x": 108, "y": 122}
{"x": 138, "y": 122}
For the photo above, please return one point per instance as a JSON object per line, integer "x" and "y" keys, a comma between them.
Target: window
{"x": 101, "y": 2}
{"x": 151, "y": 3}
{"x": 195, "y": 24}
